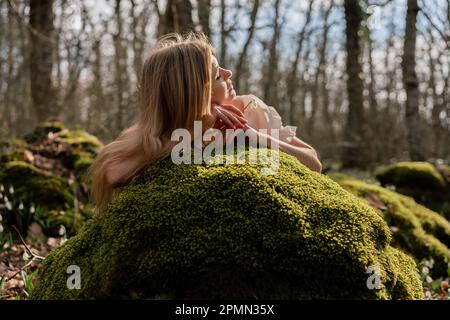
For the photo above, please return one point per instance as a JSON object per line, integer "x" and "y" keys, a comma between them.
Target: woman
{"x": 180, "y": 83}
{"x": 261, "y": 116}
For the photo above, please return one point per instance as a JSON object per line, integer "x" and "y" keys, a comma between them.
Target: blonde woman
{"x": 180, "y": 83}
{"x": 260, "y": 116}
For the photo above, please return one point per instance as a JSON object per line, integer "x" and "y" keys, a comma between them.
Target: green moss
{"x": 35, "y": 185}
{"x": 11, "y": 150}
{"x": 82, "y": 165}
{"x": 226, "y": 231}
{"x": 80, "y": 138}
{"x": 43, "y": 129}
{"x": 416, "y": 229}
{"x": 421, "y": 175}
{"x": 52, "y": 220}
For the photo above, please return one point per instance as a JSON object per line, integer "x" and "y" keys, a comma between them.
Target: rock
{"x": 48, "y": 170}
{"x": 228, "y": 232}
{"x": 426, "y": 183}
{"x": 42, "y": 131}
{"x": 406, "y": 174}
{"x": 32, "y": 184}
{"x": 417, "y": 230}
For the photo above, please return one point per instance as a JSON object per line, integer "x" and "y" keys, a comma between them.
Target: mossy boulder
{"x": 411, "y": 174}
{"x": 36, "y": 185}
{"x": 421, "y": 180}
{"x": 80, "y": 139}
{"x": 52, "y": 195}
{"x": 228, "y": 232}
{"x": 10, "y": 150}
{"x": 48, "y": 171}
{"x": 416, "y": 229}
{"x": 42, "y": 130}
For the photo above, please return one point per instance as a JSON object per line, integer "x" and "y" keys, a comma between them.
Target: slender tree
{"x": 204, "y": 11}
{"x": 353, "y": 148}
{"x": 41, "y": 54}
{"x": 177, "y": 17}
{"x": 243, "y": 55}
{"x": 411, "y": 84}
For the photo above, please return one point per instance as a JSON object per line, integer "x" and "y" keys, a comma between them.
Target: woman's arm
{"x": 297, "y": 148}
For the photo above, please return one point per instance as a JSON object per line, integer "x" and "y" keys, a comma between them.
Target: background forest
{"x": 366, "y": 82}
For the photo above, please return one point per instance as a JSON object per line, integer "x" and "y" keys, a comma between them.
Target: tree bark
{"x": 353, "y": 149}
{"x": 292, "y": 84}
{"x": 177, "y": 17}
{"x": 411, "y": 85}
{"x": 271, "y": 77}
{"x": 204, "y": 11}
{"x": 41, "y": 55}
{"x": 243, "y": 54}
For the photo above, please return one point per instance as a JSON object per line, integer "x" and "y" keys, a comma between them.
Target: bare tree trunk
{"x": 411, "y": 85}
{"x": 292, "y": 84}
{"x": 177, "y": 17}
{"x": 42, "y": 92}
{"x": 204, "y": 11}
{"x": 243, "y": 54}
{"x": 353, "y": 149}
{"x": 120, "y": 68}
{"x": 271, "y": 80}
{"x": 223, "y": 34}
{"x": 320, "y": 73}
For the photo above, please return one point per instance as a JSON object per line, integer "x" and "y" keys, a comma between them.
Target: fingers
{"x": 237, "y": 121}
{"x": 233, "y": 109}
{"x": 224, "y": 117}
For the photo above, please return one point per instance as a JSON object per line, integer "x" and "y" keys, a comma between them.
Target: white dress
{"x": 261, "y": 116}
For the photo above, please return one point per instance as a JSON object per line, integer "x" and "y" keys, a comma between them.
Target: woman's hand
{"x": 224, "y": 117}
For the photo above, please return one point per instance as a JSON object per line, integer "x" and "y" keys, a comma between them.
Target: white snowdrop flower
{"x": 1, "y": 218}
{"x": 2, "y": 188}
{"x": 21, "y": 206}
{"x": 8, "y": 205}
{"x": 1, "y": 195}
{"x": 11, "y": 189}
{"x": 425, "y": 270}
{"x": 26, "y": 256}
{"x": 62, "y": 230}
{"x": 429, "y": 279}
{"x": 6, "y": 199}
{"x": 32, "y": 210}
{"x": 1, "y": 228}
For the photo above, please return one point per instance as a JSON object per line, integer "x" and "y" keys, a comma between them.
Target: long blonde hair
{"x": 174, "y": 91}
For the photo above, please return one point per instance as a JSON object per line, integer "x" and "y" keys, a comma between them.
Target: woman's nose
{"x": 227, "y": 74}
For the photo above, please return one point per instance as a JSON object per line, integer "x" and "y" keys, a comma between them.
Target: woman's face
{"x": 222, "y": 87}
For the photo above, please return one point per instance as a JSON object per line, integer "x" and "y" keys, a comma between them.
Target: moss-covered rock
{"x": 40, "y": 168}
{"x": 226, "y": 231}
{"x": 422, "y": 181}
{"x": 51, "y": 194}
{"x": 416, "y": 229}
{"x": 80, "y": 138}
{"x": 35, "y": 185}
{"x": 10, "y": 150}
{"x": 411, "y": 174}
{"x": 42, "y": 130}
